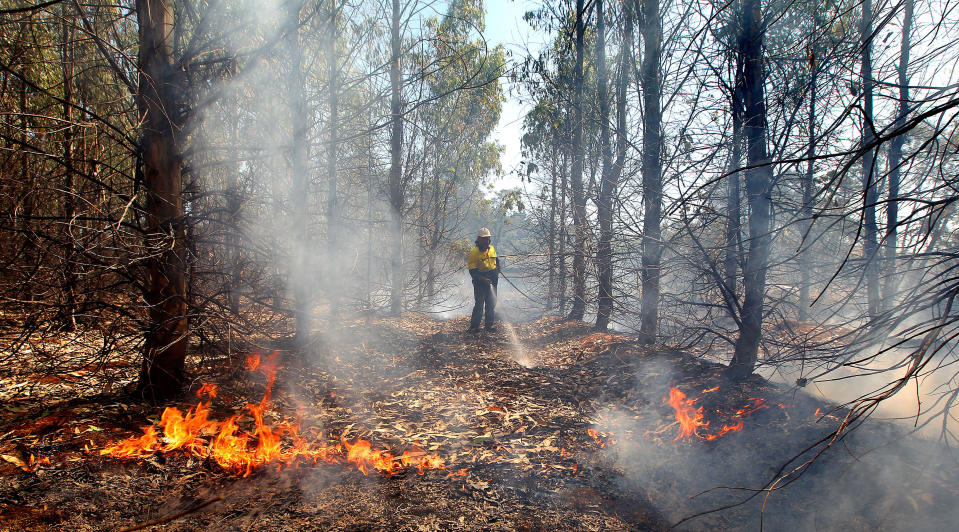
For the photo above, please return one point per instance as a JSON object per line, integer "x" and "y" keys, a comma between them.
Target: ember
{"x": 692, "y": 420}
{"x": 238, "y": 450}
{"x": 601, "y": 438}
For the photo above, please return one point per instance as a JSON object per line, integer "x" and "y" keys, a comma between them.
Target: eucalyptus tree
{"x": 759, "y": 176}
{"x": 612, "y": 168}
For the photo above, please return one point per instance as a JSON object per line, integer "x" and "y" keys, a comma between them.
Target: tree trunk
{"x": 895, "y": 160}
{"x": 807, "y": 187}
{"x": 68, "y": 306}
{"x": 609, "y": 181}
{"x": 396, "y": 171}
{"x": 300, "y": 276}
{"x": 652, "y": 170}
{"x": 734, "y": 213}
{"x": 334, "y": 284}
{"x": 551, "y": 238}
{"x": 578, "y": 309}
{"x": 870, "y": 196}
{"x": 234, "y": 205}
{"x": 758, "y": 191}
{"x": 158, "y": 88}
{"x": 563, "y": 235}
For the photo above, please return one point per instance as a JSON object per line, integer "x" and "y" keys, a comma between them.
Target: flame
{"x": 207, "y": 389}
{"x": 601, "y": 438}
{"x": 691, "y": 419}
{"x": 196, "y": 433}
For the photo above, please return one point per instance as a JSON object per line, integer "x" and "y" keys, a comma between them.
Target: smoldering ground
{"x": 771, "y": 474}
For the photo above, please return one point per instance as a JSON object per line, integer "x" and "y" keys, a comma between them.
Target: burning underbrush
{"x": 411, "y": 423}
{"x": 280, "y": 445}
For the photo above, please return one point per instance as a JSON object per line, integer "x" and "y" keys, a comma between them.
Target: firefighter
{"x": 483, "y": 266}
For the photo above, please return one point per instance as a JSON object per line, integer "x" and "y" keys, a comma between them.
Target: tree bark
{"x": 609, "y": 181}
{"x": 332, "y": 214}
{"x": 578, "y": 309}
{"x": 652, "y": 171}
{"x": 396, "y": 170}
{"x": 870, "y": 195}
{"x": 807, "y": 185}
{"x": 300, "y": 276}
{"x": 234, "y": 205}
{"x": 158, "y": 88}
{"x": 734, "y": 215}
{"x": 563, "y": 235}
{"x": 758, "y": 191}
{"x": 551, "y": 237}
{"x": 891, "y": 284}
{"x": 68, "y": 307}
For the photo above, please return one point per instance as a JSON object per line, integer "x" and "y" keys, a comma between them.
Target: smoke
{"x": 876, "y": 477}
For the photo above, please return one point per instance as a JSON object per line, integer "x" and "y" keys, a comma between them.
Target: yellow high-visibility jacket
{"x": 482, "y": 261}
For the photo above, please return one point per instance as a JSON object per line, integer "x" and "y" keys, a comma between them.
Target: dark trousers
{"x": 483, "y": 295}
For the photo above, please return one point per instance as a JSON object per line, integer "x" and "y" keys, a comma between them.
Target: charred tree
{"x": 68, "y": 307}
{"x": 758, "y": 189}
{"x": 396, "y": 170}
{"x": 652, "y": 30}
{"x": 332, "y": 213}
{"x": 807, "y": 182}
{"x": 870, "y": 189}
{"x": 300, "y": 181}
{"x": 734, "y": 215}
{"x": 563, "y": 234}
{"x": 158, "y": 88}
{"x": 551, "y": 237}
{"x": 890, "y": 285}
{"x": 578, "y": 309}
{"x": 609, "y": 180}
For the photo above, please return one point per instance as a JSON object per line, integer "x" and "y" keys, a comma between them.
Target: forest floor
{"x": 543, "y": 425}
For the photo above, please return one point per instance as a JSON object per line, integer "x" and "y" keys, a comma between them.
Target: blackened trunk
{"x": 234, "y": 205}
{"x": 300, "y": 275}
{"x": 612, "y": 170}
{"x": 734, "y": 214}
{"x": 396, "y": 171}
{"x": 158, "y": 87}
{"x": 563, "y": 235}
{"x": 551, "y": 237}
{"x": 68, "y": 306}
{"x": 807, "y": 190}
{"x": 604, "y": 210}
{"x": 870, "y": 229}
{"x": 652, "y": 170}
{"x": 332, "y": 213}
{"x": 758, "y": 191}
{"x": 578, "y": 309}
{"x": 895, "y": 161}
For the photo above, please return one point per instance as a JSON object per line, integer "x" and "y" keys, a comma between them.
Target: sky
{"x": 505, "y": 25}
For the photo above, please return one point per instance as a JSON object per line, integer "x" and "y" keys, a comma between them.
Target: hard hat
{"x": 484, "y": 232}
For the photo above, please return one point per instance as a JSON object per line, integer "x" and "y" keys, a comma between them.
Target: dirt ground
{"x": 551, "y": 425}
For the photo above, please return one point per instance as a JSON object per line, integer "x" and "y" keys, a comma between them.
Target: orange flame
{"x": 207, "y": 389}
{"x": 691, "y": 419}
{"x": 242, "y": 451}
{"x": 602, "y": 439}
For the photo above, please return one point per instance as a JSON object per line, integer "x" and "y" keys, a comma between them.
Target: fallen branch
{"x": 174, "y": 516}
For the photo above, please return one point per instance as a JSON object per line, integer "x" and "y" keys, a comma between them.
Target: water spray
{"x": 516, "y": 347}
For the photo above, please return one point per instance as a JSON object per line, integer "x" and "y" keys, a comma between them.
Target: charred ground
{"x": 578, "y": 436}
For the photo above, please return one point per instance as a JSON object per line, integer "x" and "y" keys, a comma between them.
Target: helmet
{"x": 484, "y": 232}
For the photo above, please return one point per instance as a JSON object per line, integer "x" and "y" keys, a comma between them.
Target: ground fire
{"x": 692, "y": 419}
{"x": 242, "y": 451}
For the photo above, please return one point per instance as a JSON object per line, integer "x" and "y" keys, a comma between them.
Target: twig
{"x": 174, "y": 516}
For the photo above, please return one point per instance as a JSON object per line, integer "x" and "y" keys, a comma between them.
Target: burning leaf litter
{"x": 524, "y": 440}
{"x": 692, "y": 419}
{"x": 242, "y": 451}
